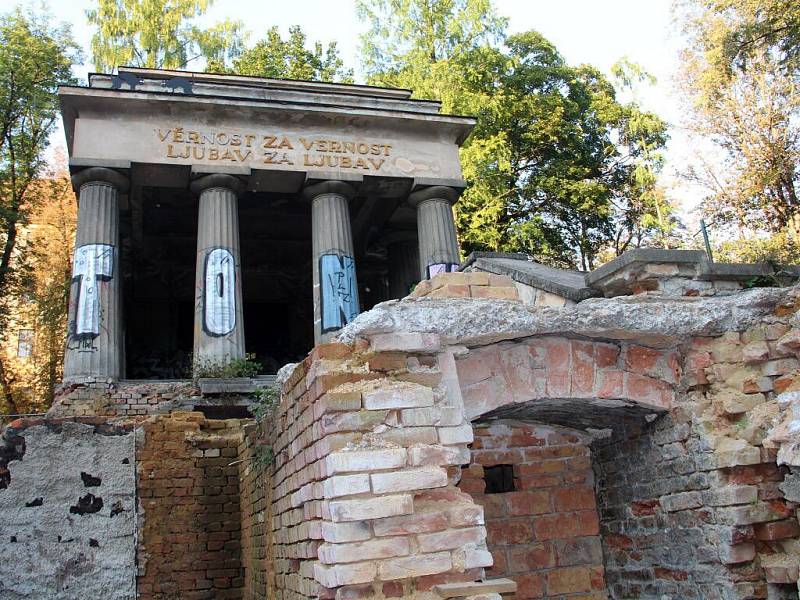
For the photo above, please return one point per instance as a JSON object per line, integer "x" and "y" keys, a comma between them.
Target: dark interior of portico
{"x": 158, "y": 231}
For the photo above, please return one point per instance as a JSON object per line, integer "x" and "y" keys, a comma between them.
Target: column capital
{"x": 102, "y": 175}
{"x": 434, "y": 192}
{"x": 218, "y": 180}
{"x": 331, "y": 186}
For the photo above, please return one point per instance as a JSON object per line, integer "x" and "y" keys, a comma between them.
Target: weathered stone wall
{"x": 545, "y": 533}
{"x": 67, "y": 510}
{"x": 190, "y": 521}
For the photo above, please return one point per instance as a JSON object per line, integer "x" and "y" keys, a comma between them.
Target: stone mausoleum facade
{"x": 506, "y": 430}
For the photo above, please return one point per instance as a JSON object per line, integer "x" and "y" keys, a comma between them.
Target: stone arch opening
{"x": 557, "y": 410}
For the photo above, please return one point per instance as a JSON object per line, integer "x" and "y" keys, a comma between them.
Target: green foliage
{"x": 275, "y": 57}
{"x": 781, "y": 248}
{"x": 226, "y": 369}
{"x": 35, "y": 59}
{"x": 160, "y": 34}
{"x": 556, "y": 165}
{"x": 266, "y": 400}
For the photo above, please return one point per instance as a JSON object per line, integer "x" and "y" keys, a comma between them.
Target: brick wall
{"x": 368, "y": 441}
{"x": 467, "y": 285}
{"x": 123, "y": 398}
{"x": 545, "y": 533}
{"x": 255, "y": 484}
{"x": 190, "y": 522}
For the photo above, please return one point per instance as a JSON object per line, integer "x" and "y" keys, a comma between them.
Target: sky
{"x": 598, "y": 32}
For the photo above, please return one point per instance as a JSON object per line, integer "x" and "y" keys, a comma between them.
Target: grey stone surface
{"x": 564, "y": 282}
{"x": 49, "y": 549}
{"x": 111, "y": 125}
{"x": 436, "y": 231}
{"x": 653, "y": 321}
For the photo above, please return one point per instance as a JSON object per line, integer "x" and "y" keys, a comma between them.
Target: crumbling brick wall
{"x": 543, "y": 534}
{"x": 190, "y": 522}
{"x": 255, "y": 485}
{"x": 120, "y": 399}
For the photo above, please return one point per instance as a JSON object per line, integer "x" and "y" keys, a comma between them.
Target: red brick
{"x": 777, "y": 530}
{"x": 528, "y": 503}
{"x": 568, "y": 581}
{"x": 530, "y": 585}
{"x": 393, "y": 589}
{"x": 610, "y": 384}
{"x": 573, "y": 498}
{"x": 582, "y": 369}
{"x": 640, "y": 359}
{"x": 509, "y": 531}
{"x": 534, "y": 557}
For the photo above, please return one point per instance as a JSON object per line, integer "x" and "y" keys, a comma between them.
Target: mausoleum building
{"x": 222, "y": 216}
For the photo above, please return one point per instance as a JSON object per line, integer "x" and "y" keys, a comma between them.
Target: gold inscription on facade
{"x": 278, "y": 150}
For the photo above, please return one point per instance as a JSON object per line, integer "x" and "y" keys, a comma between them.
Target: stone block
{"x": 424, "y": 343}
{"x": 681, "y": 501}
{"x": 345, "y": 532}
{"x": 777, "y": 530}
{"x": 377, "y": 459}
{"x": 735, "y": 403}
{"x": 409, "y": 479}
{"x": 731, "y": 495}
{"x": 398, "y": 396}
{"x": 371, "y": 508}
{"x": 414, "y": 566}
{"x": 450, "y": 539}
{"x": 451, "y": 291}
{"x": 361, "y": 551}
{"x": 423, "y": 454}
{"x": 488, "y": 586}
{"x": 780, "y": 366}
{"x": 338, "y": 575}
{"x": 461, "y": 434}
{"x": 345, "y": 485}
{"x": 739, "y": 553}
{"x": 755, "y": 352}
{"x": 423, "y": 522}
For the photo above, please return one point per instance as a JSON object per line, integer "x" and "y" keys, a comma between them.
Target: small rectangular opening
{"x": 224, "y": 412}
{"x": 499, "y": 479}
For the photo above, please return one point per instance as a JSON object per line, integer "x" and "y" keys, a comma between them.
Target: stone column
{"x": 94, "y": 338}
{"x": 403, "y": 258}
{"x": 335, "y": 285}
{"x": 438, "y": 245}
{"x": 218, "y": 322}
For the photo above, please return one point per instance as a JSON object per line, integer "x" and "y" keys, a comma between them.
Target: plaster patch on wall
{"x": 52, "y": 551}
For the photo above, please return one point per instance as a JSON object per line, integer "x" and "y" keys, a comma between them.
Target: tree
{"x": 553, "y": 157}
{"x": 417, "y": 44}
{"x": 160, "y": 34}
{"x": 35, "y": 58}
{"x": 741, "y": 72}
{"x": 36, "y": 321}
{"x": 274, "y": 57}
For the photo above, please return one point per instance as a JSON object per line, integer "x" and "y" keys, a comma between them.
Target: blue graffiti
{"x": 338, "y": 291}
{"x": 438, "y": 268}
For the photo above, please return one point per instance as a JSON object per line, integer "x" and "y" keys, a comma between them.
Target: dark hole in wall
{"x": 87, "y": 505}
{"x": 499, "y": 479}
{"x": 90, "y": 480}
{"x": 116, "y": 508}
{"x": 34, "y": 502}
{"x": 93, "y": 543}
{"x": 224, "y": 412}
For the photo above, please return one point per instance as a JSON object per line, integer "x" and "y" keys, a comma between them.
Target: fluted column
{"x": 403, "y": 258}
{"x": 335, "y": 285}
{"x": 218, "y": 322}
{"x": 438, "y": 244}
{"x": 94, "y": 337}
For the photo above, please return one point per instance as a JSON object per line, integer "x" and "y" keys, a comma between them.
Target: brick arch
{"x": 572, "y": 382}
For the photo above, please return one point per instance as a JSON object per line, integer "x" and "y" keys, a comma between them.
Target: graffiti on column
{"x": 438, "y": 268}
{"x": 93, "y": 263}
{"x": 338, "y": 291}
{"x": 219, "y": 296}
